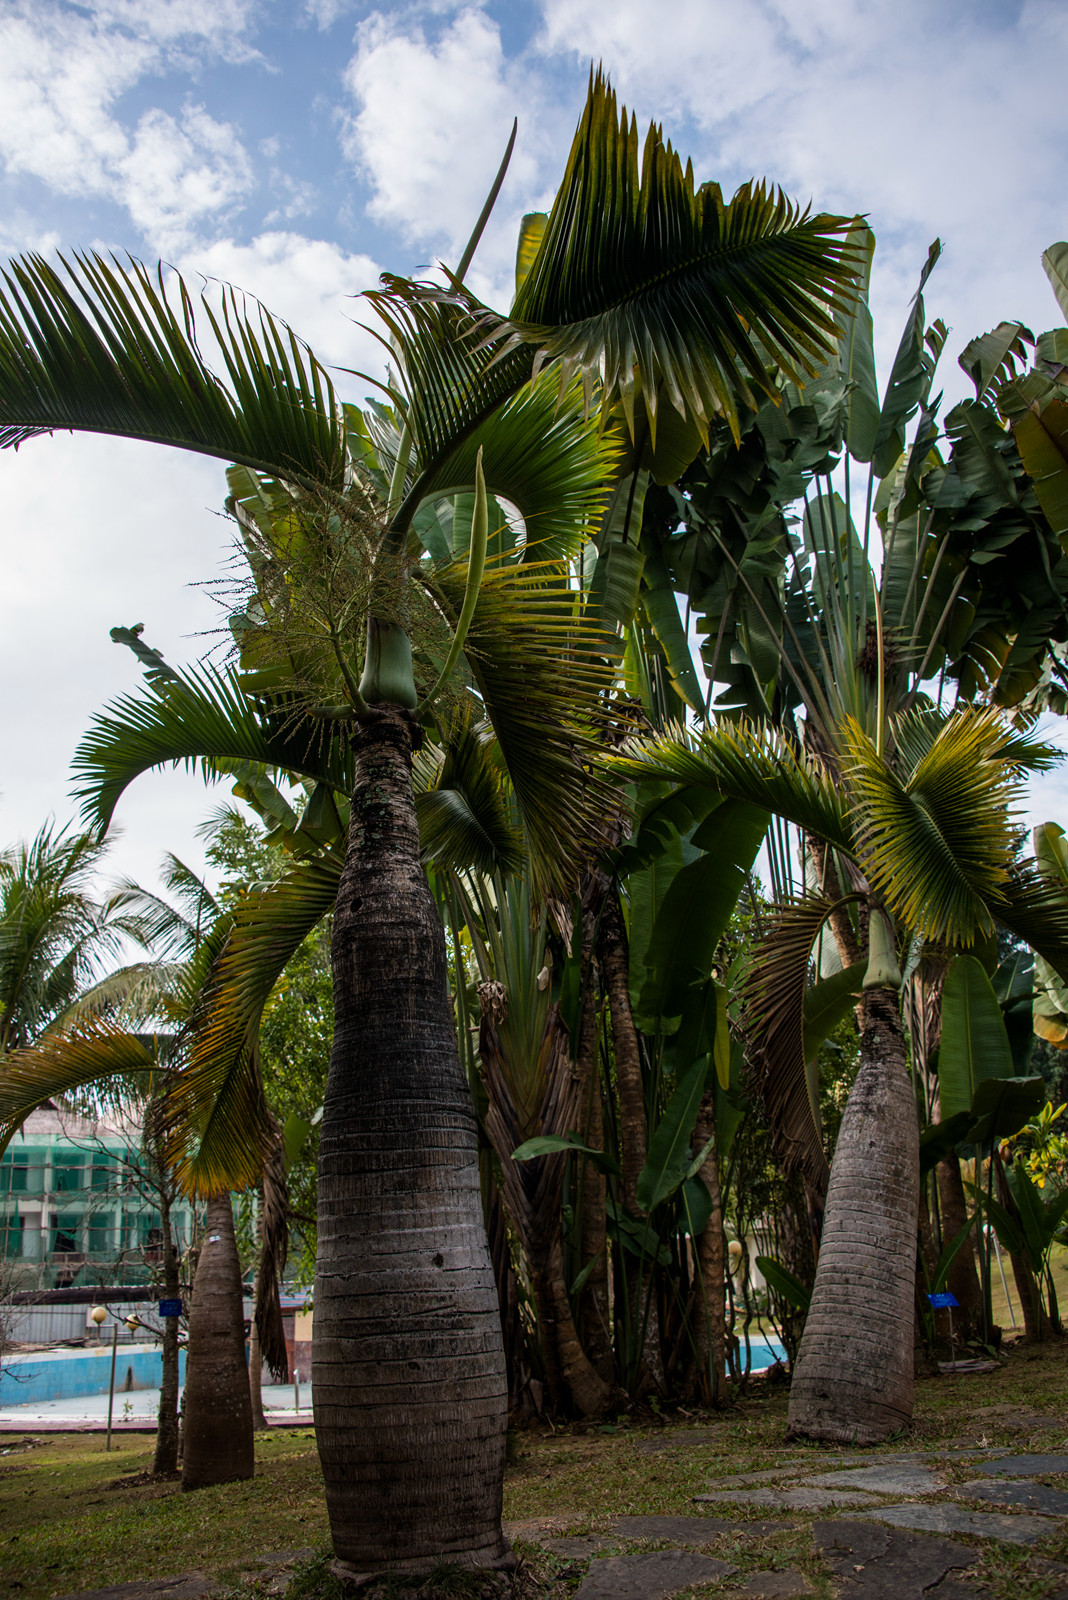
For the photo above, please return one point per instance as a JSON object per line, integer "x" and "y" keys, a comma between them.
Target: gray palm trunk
{"x": 217, "y": 1430}
{"x": 165, "y": 1459}
{"x": 408, "y": 1367}
{"x": 853, "y": 1378}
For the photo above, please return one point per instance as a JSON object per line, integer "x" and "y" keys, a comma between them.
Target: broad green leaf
{"x": 669, "y": 1148}
{"x": 1002, "y": 1106}
{"x": 951, "y": 1252}
{"x": 856, "y": 353}
{"x": 974, "y": 1044}
{"x": 993, "y": 356}
{"x": 696, "y": 1207}
{"x": 784, "y": 1283}
{"x": 1042, "y": 440}
{"x": 662, "y": 609}
{"x": 942, "y": 1137}
{"x": 829, "y": 1002}
{"x": 531, "y": 233}
{"x": 910, "y": 379}
{"x": 1055, "y": 261}
{"x": 551, "y": 1144}
{"x": 295, "y": 1136}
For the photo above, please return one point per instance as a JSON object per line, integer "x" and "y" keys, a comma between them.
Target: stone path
{"x": 894, "y": 1545}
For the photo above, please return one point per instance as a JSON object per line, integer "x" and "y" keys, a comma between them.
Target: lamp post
{"x": 99, "y": 1316}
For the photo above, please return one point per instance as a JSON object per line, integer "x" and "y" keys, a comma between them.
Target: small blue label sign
{"x": 942, "y": 1301}
{"x": 173, "y": 1308}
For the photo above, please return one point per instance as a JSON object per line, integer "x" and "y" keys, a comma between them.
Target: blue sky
{"x": 299, "y": 149}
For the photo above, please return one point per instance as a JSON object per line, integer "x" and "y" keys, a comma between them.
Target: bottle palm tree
{"x": 639, "y": 282}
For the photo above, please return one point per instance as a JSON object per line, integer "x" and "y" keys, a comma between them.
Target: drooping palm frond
{"x": 98, "y": 1055}
{"x": 216, "y": 1117}
{"x": 135, "y": 997}
{"x": 637, "y": 270}
{"x": 93, "y": 347}
{"x": 773, "y": 998}
{"x": 174, "y": 931}
{"x": 531, "y": 651}
{"x": 750, "y": 762}
{"x": 938, "y": 844}
{"x": 543, "y": 454}
{"x": 203, "y": 718}
{"x": 1035, "y": 908}
{"x": 465, "y": 818}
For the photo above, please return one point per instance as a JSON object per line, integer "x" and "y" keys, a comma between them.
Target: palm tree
{"x": 922, "y": 821}
{"x": 644, "y": 285}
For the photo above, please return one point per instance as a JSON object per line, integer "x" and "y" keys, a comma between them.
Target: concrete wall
{"x": 61, "y": 1374}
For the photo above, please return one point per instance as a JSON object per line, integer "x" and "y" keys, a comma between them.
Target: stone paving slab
{"x": 1022, "y": 1466}
{"x": 955, "y": 1519}
{"x": 800, "y": 1469}
{"x": 1022, "y": 1492}
{"x": 888, "y": 1479}
{"x": 799, "y": 1499}
{"x": 785, "y": 1585}
{"x": 674, "y": 1530}
{"x": 877, "y": 1563}
{"x": 650, "y": 1577}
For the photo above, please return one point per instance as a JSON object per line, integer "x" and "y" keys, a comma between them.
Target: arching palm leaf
{"x": 63, "y": 1063}
{"x": 465, "y": 818}
{"x": 94, "y": 348}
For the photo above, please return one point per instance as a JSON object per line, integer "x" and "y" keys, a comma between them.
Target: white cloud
{"x": 61, "y": 74}
{"x": 309, "y": 283}
{"x": 432, "y": 118}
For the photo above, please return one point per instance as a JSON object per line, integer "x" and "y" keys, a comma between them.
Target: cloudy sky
{"x": 299, "y": 147}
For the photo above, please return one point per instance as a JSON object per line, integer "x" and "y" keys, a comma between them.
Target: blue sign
{"x": 173, "y": 1308}
{"x": 943, "y": 1301}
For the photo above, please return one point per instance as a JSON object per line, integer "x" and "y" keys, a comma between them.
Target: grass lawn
{"x": 69, "y": 1521}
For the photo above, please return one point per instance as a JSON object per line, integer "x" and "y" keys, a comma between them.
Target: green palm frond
{"x": 93, "y": 347}
{"x": 61, "y": 1064}
{"x": 202, "y": 718}
{"x": 1034, "y": 906}
{"x": 173, "y": 930}
{"x": 465, "y": 818}
{"x": 543, "y": 454}
{"x": 938, "y": 843}
{"x": 134, "y": 997}
{"x": 745, "y": 761}
{"x": 773, "y": 996}
{"x": 216, "y": 1119}
{"x": 638, "y": 271}
{"x": 531, "y": 653}
{"x": 453, "y": 375}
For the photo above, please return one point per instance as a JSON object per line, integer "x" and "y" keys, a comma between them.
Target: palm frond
{"x": 215, "y": 1115}
{"x": 62, "y": 1063}
{"x": 453, "y": 373}
{"x": 542, "y": 453}
{"x": 93, "y": 347}
{"x": 1034, "y": 906}
{"x": 938, "y": 844}
{"x": 639, "y": 271}
{"x": 745, "y": 761}
{"x": 203, "y": 718}
{"x": 773, "y": 996}
{"x": 531, "y": 652}
{"x": 465, "y": 818}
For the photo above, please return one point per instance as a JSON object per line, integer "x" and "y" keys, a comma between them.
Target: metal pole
{"x": 296, "y": 1390}
{"x": 1004, "y": 1285}
{"x": 111, "y": 1391}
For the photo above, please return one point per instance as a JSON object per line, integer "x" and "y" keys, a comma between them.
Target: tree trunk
{"x": 218, "y": 1412}
{"x": 408, "y": 1369}
{"x": 165, "y": 1459}
{"x": 853, "y": 1379}
{"x": 711, "y": 1316}
{"x": 573, "y": 1384}
{"x": 616, "y": 968}
{"x": 595, "y": 1314}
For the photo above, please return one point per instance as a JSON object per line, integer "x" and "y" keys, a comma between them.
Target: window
{"x": 11, "y": 1230}
{"x": 64, "y": 1234}
{"x": 103, "y": 1171}
{"x": 100, "y": 1233}
{"x": 22, "y": 1172}
{"x": 67, "y": 1170}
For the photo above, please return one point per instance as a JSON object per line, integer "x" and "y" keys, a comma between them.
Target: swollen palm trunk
{"x": 407, "y": 1365}
{"x": 853, "y": 1378}
{"x": 218, "y": 1411}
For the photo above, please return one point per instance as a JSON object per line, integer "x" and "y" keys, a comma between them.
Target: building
{"x": 78, "y": 1206}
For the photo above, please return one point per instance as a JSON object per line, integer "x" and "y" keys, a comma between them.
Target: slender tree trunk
{"x": 595, "y": 1315}
{"x": 711, "y": 1315}
{"x": 963, "y": 1280}
{"x": 409, "y": 1378}
{"x": 571, "y": 1380}
{"x": 165, "y": 1459}
{"x": 255, "y": 1354}
{"x": 218, "y": 1412}
{"x": 616, "y": 968}
{"x": 1036, "y": 1323}
{"x": 853, "y": 1380}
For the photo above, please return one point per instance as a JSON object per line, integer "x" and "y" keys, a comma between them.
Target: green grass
{"x": 68, "y": 1521}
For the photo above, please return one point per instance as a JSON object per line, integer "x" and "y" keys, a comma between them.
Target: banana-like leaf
{"x": 910, "y": 378}
{"x": 784, "y": 1283}
{"x": 532, "y": 653}
{"x": 856, "y": 352}
{"x": 1042, "y": 440}
{"x": 745, "y": 761}
{"x": 940, "y": 1138}
{"x": 97, "y": 1055}
{"x": 551, "y": 1144}
{"x": 661, "y": 607}
{"x": 975, "y": 1045}
{"x": 938, "y": 843}
{"x": 1055, "y": 261}
{"x": 217, "y": 1118}
{"x": 668, "y": 1161}
{"x": 992, "y": 358}
{"x": 640, "y": 271}
{"x": 1002, "y": 1106}
{"x": 1035, "y": 908}
{"x": 827, "y": 1003}
{"x": 96, "y": 348}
